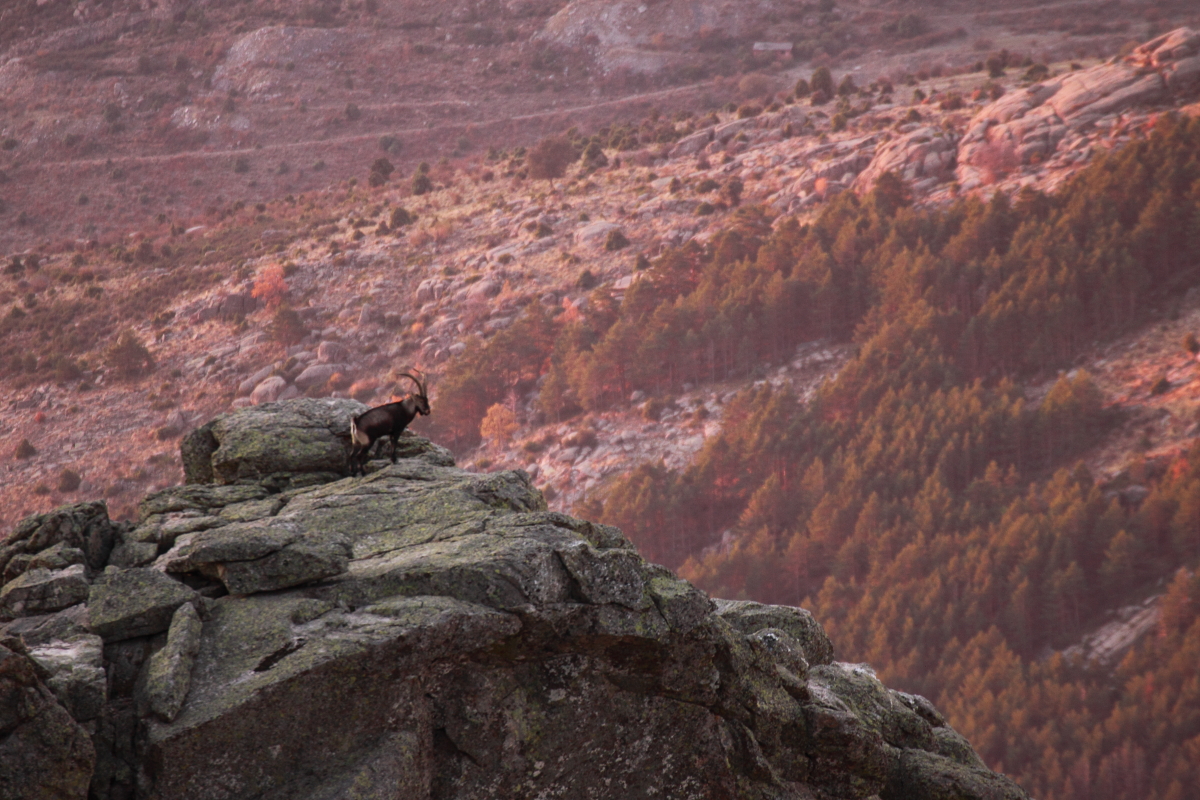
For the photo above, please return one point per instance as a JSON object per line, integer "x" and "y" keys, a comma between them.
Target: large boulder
{"x": 44, "y": 754}
{"x": 168, "y": 674}
{"x": 645, "y": 37}
{"x": 923, "y": 157}
{"x": 282, "y": 444}
{"x": 268, "y": 390}
{"x": 749, "y": 617}
{"x": 39, "y": 591}
{"x": 75, "y": 669}
{"x": 125, "y": 603}
{"x": 82, "y": 526}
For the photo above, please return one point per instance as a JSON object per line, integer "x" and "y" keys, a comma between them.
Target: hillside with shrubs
{"x": 807, "y": 334}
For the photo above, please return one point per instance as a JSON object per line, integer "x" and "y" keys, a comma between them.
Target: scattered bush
{"x": 24, "y": 450}
{"x": 286, "y": 326}
{"x": 421, "y": 182}
{"x": 65, "y": 369}
{"x": 270, "y": 286}
{"x": 615, "y": 240}
{"x": 241, "y": 165}
{"x": 953, "y": 101}
{"x": 1160, "y": 386}
{"x": 733, "y": 191}
{"x": 353, "y": 112}
{"x": 128, "y": 356}
{"x": 587, "y": 280}
{"x": 1190, "y": 344}
{"x": 822, "y": 81}
{"x": 847, "y": 87}
{"x": 499, "y": 424}
{"x": 1038, "y": 72}
{"x": 550, "y": 157}
{"x": 653, "y": 409}
{"x": 747, "y": 111}
{"x": 838, "y": 122}
{"x": 593, "y": 156}
{"x": 802, "y": 89}
{"x": 401, "y": 217}
{"x": 754, "y": 85}
{"x": 906, "y": 27}
{"x": 68, "y": 480}
{"x": 390, "y": 144}
{"x": 381, "y": 170}
{"x": 704, "y": 209}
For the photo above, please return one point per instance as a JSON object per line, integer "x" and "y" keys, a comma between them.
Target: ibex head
{"x": 420, "y": 396}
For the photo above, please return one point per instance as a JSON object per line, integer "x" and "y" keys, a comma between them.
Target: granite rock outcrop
{"x": 425, "y": 632}
{"x": 1027, "y": 126}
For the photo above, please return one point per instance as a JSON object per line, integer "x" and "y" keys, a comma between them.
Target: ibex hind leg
{"x": 395, "y": 441}
{"x": 358, "y": 460}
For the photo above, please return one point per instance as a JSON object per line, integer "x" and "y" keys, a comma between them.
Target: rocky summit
{"x": 276, "y": 630}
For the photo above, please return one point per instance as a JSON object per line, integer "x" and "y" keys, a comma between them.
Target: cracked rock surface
{"x": 428, "y": 632}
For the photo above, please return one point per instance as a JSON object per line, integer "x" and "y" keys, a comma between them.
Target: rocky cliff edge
{"x": 274, "y": 630}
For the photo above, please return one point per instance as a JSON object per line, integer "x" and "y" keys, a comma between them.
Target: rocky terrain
{"x": 201, "y": 281}
{"x": 487, "y": 243}
{"x": 168, "y": 109}
{"x": 272, "y": 629}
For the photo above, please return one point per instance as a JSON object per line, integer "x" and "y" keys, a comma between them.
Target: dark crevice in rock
{"x": 445, "y": 747}
{"x": 574, "y": 589}
{"x": 280, "y": 655}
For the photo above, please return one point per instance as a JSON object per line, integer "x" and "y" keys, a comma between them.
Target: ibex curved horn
{"x": 419, "y": 384}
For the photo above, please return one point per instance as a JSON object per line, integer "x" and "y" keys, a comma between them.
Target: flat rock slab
{"x": 168, "y": 676}
{"x": 41, "y": 591}
{"x": 261, "y": 556}
{"x": 76, "y": 670}
{"x": 278, "y": 445}
{"x": 134, "y": 602}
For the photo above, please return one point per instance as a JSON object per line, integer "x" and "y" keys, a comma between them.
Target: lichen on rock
{"x": 427, "y": 632}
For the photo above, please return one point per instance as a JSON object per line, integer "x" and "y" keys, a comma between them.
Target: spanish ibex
{"x": 386, "y": 420}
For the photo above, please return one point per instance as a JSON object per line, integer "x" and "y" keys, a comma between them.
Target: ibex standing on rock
{"x": 386, "y": 420}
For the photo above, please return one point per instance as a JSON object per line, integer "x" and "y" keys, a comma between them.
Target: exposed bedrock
{"x": 1028, "y": 125}
{"x": 423, "y": 632}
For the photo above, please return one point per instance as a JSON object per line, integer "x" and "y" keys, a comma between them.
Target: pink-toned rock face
{"x": 925, "y": 155}
{"x": 1177, "y": 45}
{"x": 268, "y": 391}
{"x": 1028, "y": 125}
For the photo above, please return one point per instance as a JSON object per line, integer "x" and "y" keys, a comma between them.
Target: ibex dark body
{"x": 386, "y": 420}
